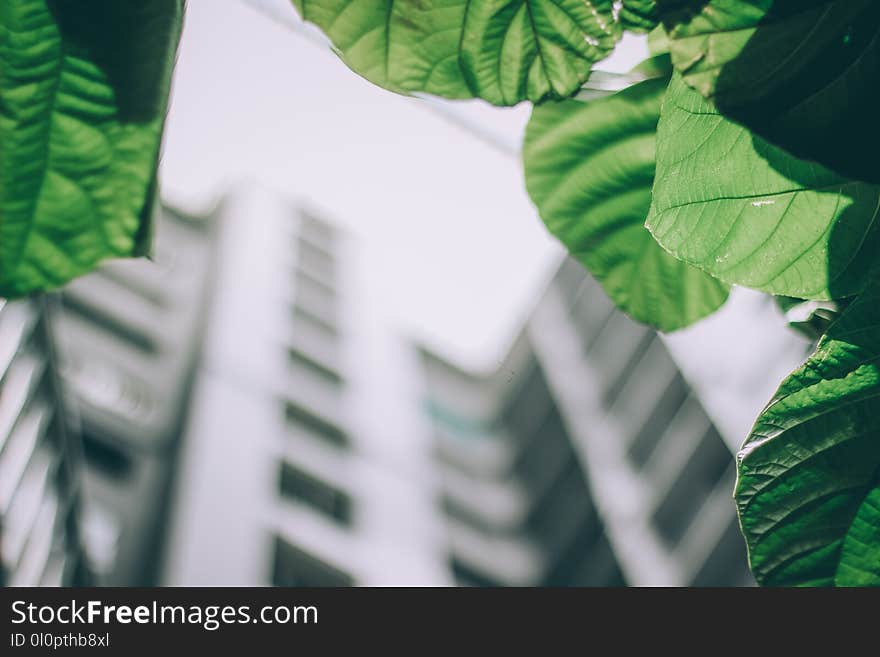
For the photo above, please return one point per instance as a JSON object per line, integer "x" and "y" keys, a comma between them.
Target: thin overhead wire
{"x": 284, "y": 15}
{"x": 599, "y": 83}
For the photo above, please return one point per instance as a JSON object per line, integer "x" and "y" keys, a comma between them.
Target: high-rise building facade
{"x": 517, "y": 505}
{"x": 128, "y": 340}
{"x": 661, "y": 475}
{"x": 240, "y": 412}
{"x": 39, "y": 485}
{"x": 585, "y": 458}
{"x": 304, "y": 461}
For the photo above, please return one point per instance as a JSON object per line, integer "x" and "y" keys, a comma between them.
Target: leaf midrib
{"x": 46, "y": 142}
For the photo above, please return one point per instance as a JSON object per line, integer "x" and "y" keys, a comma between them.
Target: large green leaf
{"x": 808, "y": 490}
{"x": 514, "y": 50}
{"x": 503, "y": 51}
{"x": 589, "y": 168}
{"x": 751, "y": 214}
{"x": 83, "y": 91}
{"x": 639, "y": 15}
{"x": 403, "y": 46}
{"x": 804, "y": 74}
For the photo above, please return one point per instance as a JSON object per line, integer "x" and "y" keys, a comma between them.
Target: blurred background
{"x": 357, "y": 358}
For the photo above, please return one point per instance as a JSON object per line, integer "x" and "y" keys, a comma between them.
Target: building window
{"x": 299, "y": 361}
{"x": 564, "y": 504}
{"x": 110, "y": 322}
{"x": 465, "y": 575}
{"x": 313, "y": 298}
{"x": 662, "y": 415}
{"x": 293, "y": 566}
{"x": 615, "y": 381}
{"x": 545, "y": 451}
{"x": 571, "y": 278}
{"x": 314, "y": 286}
{"x": 528, "y": 404}
{"x": 106, "y": 457}
{"x": 303, "y": 317}
{"x": 299, "y": 485}
{"x": 316, "y": 260}
{"x": 709, "y": 464}
{"x": 590, "y": 311}
{"x": 588, "y": 560}
{"x": 147, "y": 290}
{"x": 615, "y": 350}
{"x": 318, "y": 232}
{"x": 455, "y": 424}
{"x": 302, "y": 420}
{"x": 727, "y": 565}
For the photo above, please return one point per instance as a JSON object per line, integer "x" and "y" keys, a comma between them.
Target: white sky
{"x": 443, "y": 216}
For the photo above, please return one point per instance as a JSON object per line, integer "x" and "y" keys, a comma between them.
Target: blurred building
{"x": 584, "y": 459}
{"x": 661, "y": 475}
{"x": 518, "y": 508}
{"x": 39, "y": 490}
{"x": 304, "y": 461}
{"x": 128, "y": 339}
{"x": 248, "y": 417}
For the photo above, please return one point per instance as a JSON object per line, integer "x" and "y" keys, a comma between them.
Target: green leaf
{"x": 751, "y": 214}
{"x": 804, "y": 74}
{"x": 658, "y": 42}
{"x": 503, "y": 51}
{"x": 656, "y": 66}
{"x": 83, "y": 92}
{"x": 808, "y": 491}
{"x": 589, "y": 169}
{"x": 534, "y": 49}
{"x": 401, "y": 45}
{"x": 639, "y": 15}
